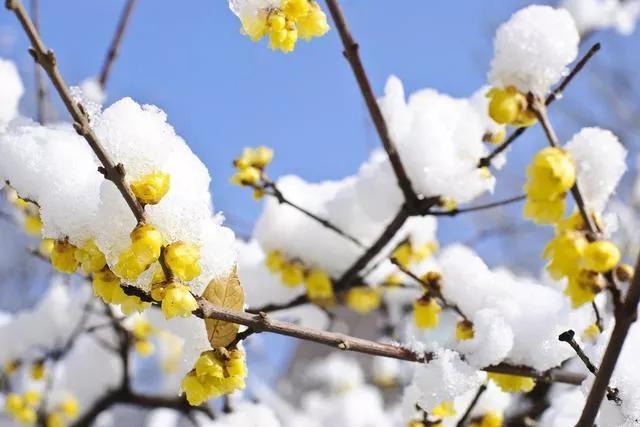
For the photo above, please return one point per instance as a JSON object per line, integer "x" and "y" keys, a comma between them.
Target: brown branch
{"x": 271, "y": 189}
{"x": 625, "y": 316}
{"x": 554, "y": 95}
{"x": 112, "y": 53}
{"x": 301, "y": 300}
{"x": 263, "y": 323}
{"x": 352, "y": 55}
{"x": 46, "y": 58}
{"x": 41, "y": 93}
{"x": 389, "y": 232}
{"x": 472, "y": 405}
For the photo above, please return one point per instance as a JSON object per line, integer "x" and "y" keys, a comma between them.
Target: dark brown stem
{"x": 41, "y": 93}
{"x": 625, "y": 316}
{"x": 263, "y": 323}
{"x": 353, "y": 56}
{"x": 271, "y": 189}
{"x": 556, "y": 94}
{"x": 389, "y": 232}
{"x": 472, "y": 405}
{"x": 301, "y": 300}
{"x": 112, "y": 53}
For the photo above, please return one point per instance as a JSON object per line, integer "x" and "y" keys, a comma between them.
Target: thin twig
{"x": 388, "y": 233}
{"x": 456, "y": 211}
{"x": 556, "y": 94}
{"x": 263, "y": 323}
{"x": 625, "y": 316}
{"x": 353, "y": 56}
{"x": 472, "y": 405}
{"x": 434, "y": 289}
{"x": 271, "y": 189}
{"x": 41, "y": 93}
{"x": 112, "y": 53}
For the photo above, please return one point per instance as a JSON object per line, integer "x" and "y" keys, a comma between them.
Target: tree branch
{"x": 455, "y": 212}
{"x": 263, "y": 323}
{"x": 352, "y": 55}
{"x": 472, "y": 405}
{"x": 112, "y": 53}
{"x": 41, "y": 93}
{"x": 625, "y": 316}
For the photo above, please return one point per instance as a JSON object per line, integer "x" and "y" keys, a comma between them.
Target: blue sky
{"x": 222, "y": 92}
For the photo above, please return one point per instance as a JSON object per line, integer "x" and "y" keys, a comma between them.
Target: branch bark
{"x": 351, "y": 53}
{"x": 112, "y": 53}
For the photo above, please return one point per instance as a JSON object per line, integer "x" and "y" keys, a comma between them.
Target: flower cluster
{"x": 250, "y": 168}
{"x": 510, "y": 107}
{"x": 583, "y": 262}
{"x": 283, "y": 21}
{"x": 22, "y": 408}
{"x": 216, "y": 372}
{"x": 65, "y": 412}
{"x": 549, "y": 176}
{"x": 293, "y": 273}
{"x": 407, "y": 253}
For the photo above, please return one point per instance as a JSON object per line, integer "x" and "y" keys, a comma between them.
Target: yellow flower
{"x": 363, "y": 299}
{"x": 285, "y": 39}
{"x": 564, "y": 252}
{"x": 275, "y": 261}
{"x": 319, "y": 287}
{"x": 403, "y": 254}
{"x": 591, "y": 332}
{"x": 624, "y": 272}
{"x": 292, "y": 274}
{"x": 572, "y": 222}
{"x": 37, "y": 371}
{"x": 216, "y": 373}
{"x": 496, "y": 137}
{"x": 509, "y": 107}
{"x": 184, "y": 260}
{"x": 194, "y": 390}
{"x": 544, "y": 211}
{"x": 512, "y": 383}
{"x": 55, "y": 419}
{"x": 13, "y": 403}
{"x": 144, "y": 348}
{"x": 151, "y": 188}
{"x": 146, "y": 243}
{"x": 601, "y": 256}
{"x": 314, "y": 23}
{"x": 424, "y": 251}
{"x": 178, "y": 301}
{"x": 582, "y": 287}
{"x": 46, "y": 247}
{"x": 295, "y": 9}
{"x": 445, "y": 409}
{"x": 247, "y": 176}
{"x": 464, "y": 330}
{"x": 489, "y": 419}
{"x": 91, "y": 259}
{"x": 32, "y": 225}
{"x": 208, "y": 364}
{"x": 425, "y": 313}
{"x": 32, "y": 398}
{"x": 129, "y": 266}
{"x": 63, "y": 257}
{"x": 255, "y": 27}
{"x": 105, "y": 284}
{"x": 69, "y": 407}
{"x": 393, "y": 280}
{"x": 550, "y": 173}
